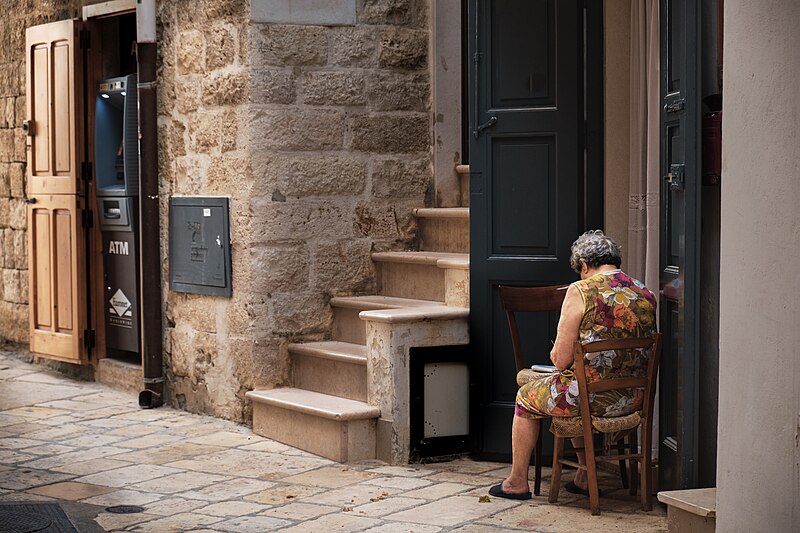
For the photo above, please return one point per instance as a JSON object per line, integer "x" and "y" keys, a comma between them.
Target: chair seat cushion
{"x": 570, "y": 427}
{"x": 527, "y": 375}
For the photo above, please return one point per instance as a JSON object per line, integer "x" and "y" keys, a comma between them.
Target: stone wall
{"x": 320, "y": 137}
{"x": 340, "y": 133}
{"x": 203, "y": 151}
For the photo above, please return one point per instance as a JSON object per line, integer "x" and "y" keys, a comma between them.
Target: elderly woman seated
{"x": 605, "y": 304}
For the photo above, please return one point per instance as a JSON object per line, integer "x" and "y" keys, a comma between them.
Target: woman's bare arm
{"x": 569, "y": 323}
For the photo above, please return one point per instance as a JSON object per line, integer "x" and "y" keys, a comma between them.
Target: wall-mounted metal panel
{"x": 199, "y": 246}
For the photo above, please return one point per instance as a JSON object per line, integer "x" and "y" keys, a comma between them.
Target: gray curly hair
{"x": 595, "y": 249}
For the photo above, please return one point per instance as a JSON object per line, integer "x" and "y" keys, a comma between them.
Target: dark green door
{"x": 528, "y": 193}
{"x": 680, "y": 243}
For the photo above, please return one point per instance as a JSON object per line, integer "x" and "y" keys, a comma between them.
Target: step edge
{"x": 394, "y": 302}
{"x": 416, "y": 314}
{"x": 318, "y": 349}
{"x": 359, "y": 411}
{"x": 457, "y": 213}
{"x": 419, "y": 257}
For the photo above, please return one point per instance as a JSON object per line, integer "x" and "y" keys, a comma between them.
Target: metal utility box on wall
{"x": 199, "y": 246}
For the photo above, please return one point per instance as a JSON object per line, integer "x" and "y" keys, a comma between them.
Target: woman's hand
{"x": 569, "y": 323}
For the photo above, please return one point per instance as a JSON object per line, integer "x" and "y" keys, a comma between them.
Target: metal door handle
{"x": 486, "y": 125}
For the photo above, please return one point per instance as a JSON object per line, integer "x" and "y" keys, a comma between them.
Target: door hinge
{"x": 87, "y": 218}
{"x": 675, "y": 106}
{"x": 85, "y": 39}
{"x": 86, "y": 171}
{"x": 88, "y": 338}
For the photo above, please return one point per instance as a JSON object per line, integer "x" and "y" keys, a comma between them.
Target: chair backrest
{"x": 528, "y": 300}
{"x": 648, "y": 383}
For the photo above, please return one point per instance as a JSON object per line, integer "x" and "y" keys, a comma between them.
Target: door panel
{"x": 55, "y": 265}
{"x": 523, "y": 79}
{"x": 680, "y": 244}
{"x": 527, "y": 184}
{"x": 54, "y": 83}
{"x": 56, "y": 240}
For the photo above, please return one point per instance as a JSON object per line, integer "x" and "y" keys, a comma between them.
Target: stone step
{"x": 331, "y": 367}
{"x": 692, "y": 510}
{"x": 463, "y": 177}
{"x": 422, "y": 275}
{"x": 443, "y": 229}
{"x": 348, "y": 327}
{"x": 119, "y": 375}
{"x": 416, "y": 314}
{"x": 336, "y": 428}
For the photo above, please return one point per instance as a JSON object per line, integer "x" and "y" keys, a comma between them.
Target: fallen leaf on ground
{"x": 484, "y": 499}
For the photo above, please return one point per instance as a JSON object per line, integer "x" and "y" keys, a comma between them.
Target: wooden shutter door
{"x": 56, "y": 251}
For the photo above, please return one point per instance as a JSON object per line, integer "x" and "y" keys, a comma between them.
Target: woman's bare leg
{"x": 580, "y": 475}
{"x": 524, "y": 432}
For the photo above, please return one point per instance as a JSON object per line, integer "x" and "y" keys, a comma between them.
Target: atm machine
{"x": 116, "y": 160}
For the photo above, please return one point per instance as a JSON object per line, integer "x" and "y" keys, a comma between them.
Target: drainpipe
{"x": 149, "y": 217}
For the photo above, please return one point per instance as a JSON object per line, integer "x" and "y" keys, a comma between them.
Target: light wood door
{"x": 56, "y": 240}
{"x": 57, "y": 297}
{"x": 54, "y": 108}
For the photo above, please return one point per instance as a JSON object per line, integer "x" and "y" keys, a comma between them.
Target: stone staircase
{"x": 350, "y": 395}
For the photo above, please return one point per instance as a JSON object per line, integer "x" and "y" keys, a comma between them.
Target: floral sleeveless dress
{"x": 615, "y": 306}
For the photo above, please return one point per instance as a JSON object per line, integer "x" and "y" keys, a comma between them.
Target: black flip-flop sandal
{"x": 498, "y": 491}
{"x": 572, "y": 488}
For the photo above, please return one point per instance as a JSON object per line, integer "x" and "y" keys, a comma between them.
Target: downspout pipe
{"x": 149, "y": 216}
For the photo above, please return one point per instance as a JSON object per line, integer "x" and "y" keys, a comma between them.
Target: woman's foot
{"x": 510, "y": 486}
{"x": 581, "y": 481}
{"x": 512, "y": 491}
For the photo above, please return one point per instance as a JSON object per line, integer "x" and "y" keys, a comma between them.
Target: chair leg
{"x": 555, "y": 480}
{"x": 591, "y": 473}
{"x": 537, "y": 455}
{"x": 647, "y": 471}
{"x": 633, "y": 445}
{"x": 623, "y": 470}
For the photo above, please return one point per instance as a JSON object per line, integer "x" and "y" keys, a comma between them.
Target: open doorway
{"x": 111, "y": 131}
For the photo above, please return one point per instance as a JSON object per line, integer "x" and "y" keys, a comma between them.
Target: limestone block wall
{"x": 339, "y": 130}
{"x": 210, "y": 357}
{"x": 320, "y": 137}
{"x": 318, "y": 134}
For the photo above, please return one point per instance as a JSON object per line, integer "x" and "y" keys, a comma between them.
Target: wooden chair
{"x": 529, "y": 300}
{"x": 615, "y": 427}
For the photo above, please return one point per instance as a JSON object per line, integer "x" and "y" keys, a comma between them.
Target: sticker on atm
{"x": 120, "y": 305}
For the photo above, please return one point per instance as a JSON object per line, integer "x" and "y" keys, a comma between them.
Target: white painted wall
{"x": 758, "y": 463}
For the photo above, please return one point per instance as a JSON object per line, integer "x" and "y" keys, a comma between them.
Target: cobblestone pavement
{"x": 88, "y": 447}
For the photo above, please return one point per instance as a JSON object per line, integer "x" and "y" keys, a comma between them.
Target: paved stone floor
{"x": 89, "y": 447}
